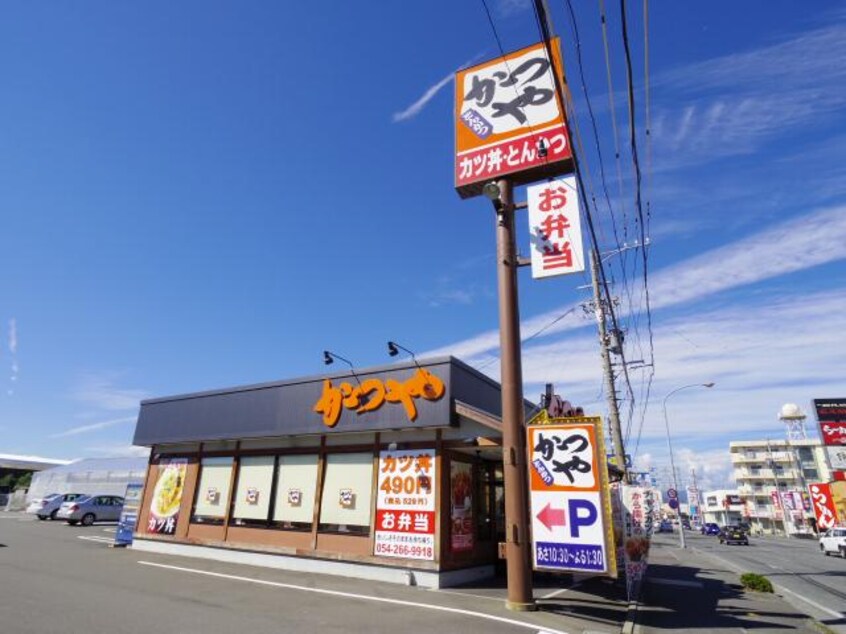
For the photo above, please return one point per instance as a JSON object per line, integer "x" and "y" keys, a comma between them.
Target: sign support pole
{"x": 517, "y": 543}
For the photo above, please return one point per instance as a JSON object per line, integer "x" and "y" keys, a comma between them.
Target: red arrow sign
{"x": 550, "y": 517}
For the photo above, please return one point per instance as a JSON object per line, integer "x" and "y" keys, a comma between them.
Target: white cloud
{"x": 731, "y": 106}
{"x": 99, "y": 392}
{"x": 414, "y": 109}
{"x": 777, "y": 348}
{"x": 84, "y": 429}
{"x": 814, "y": 239}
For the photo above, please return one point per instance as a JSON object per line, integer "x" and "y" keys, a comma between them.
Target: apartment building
{"x": 772, "y": 478}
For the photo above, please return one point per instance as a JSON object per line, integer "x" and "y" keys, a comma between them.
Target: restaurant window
{"x": 296, "y": 488}
{"x": 347, "y": 491}
{"x": 253, "y": 492}
{"x": 213, "y": 491}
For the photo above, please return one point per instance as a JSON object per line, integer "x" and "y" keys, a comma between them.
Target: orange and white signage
{"x": 555, "y": 229}
{"x": 509, "y": 120}
{"x": 405, "y": 504}
{"x": 568, "y": 492}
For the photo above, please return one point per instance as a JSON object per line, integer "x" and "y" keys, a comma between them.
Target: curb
{"x": 631, "y": 618}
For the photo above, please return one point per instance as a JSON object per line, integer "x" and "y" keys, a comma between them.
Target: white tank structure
{"x": 793, "y": 417}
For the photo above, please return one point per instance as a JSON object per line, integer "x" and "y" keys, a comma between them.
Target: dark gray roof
{"x": 286, "y": 408}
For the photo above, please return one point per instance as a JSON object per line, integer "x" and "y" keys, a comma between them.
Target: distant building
{"x": 15, "y": 472}
{"x": 93, "y": 476}
{"x": 725, "y": 507}
{"x": 772, "y": 478}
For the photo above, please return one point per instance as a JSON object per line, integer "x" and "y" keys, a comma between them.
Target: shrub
{"x": 756, "y": 582}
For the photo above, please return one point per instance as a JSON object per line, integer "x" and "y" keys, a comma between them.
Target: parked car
{"x": 710, "y": 528}
{"x": 50, "y": 506}
{"x": 834, "y": 541}
{"x": 36, "y": 504}
{"x": 686, "y": 524}
{"x": 733, "y": 535}
{"x": 87, "y": 510}
{"x": 665, "y": 526}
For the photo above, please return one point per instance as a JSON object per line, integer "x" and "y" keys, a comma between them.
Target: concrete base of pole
{"x": 521, "y": 607}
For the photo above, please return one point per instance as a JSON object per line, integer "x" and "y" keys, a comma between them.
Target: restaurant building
{"x": 390, "y": 473}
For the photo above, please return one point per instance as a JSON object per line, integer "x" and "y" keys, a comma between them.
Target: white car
{"x": 834, "y": 541}
{"x": 38, "y": 503}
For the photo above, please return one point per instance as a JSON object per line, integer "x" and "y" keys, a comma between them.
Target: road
{"x": 58, "y": 578}
{"x": 810, "y": 581}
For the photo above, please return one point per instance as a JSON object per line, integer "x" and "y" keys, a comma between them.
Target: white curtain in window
{"x": 347, "y": 489}
{"x": 296, "y": 489}
{"x": 213, "y": 491}
{"x": 255, "y": 478}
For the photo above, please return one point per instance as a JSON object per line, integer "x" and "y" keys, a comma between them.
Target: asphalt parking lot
{"x": 61, "y": 578}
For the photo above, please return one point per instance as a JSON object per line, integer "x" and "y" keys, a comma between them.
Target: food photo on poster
{"x": 461, "y": 506}
{"x": 167, "y": 496}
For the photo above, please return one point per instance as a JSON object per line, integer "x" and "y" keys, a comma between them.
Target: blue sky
{"x": 210, "y": 194}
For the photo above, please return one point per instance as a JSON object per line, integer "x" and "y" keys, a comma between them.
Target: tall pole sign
{"x": 509, "y": 130}
{"x": 509, "y": 121}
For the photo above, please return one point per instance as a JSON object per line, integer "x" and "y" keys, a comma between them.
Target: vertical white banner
{"x": 555, "y": 228}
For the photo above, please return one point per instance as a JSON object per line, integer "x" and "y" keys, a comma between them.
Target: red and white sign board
{"x": 570, "y": 508}
{"x": 405, "y": 504}
{"x": 833, "y": 433}
{"x": 555, "y": 229}
{"x": 509, "y": 120}
{"x": 823, "y": 504}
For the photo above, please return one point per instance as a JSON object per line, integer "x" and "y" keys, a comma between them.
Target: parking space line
{"x": 95, "y": 538}
{"x": 363, "y": 597}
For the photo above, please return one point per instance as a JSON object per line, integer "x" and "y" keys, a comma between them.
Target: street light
{"x": 670, "y": 448}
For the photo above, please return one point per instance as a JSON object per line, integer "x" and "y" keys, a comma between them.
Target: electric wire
{"x": 542, "y": 20}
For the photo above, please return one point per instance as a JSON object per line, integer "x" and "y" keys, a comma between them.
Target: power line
{"x": 542, "y": 20}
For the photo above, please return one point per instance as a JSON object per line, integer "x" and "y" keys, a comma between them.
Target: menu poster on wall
{"x": 405, "y": 504}
{"x": 461, "y": 506}
{"x": 167, "y": 496}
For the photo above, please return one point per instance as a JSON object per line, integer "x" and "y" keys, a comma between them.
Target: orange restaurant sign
{"x": 509, "y": 120}
{"x": 371, "y": 394}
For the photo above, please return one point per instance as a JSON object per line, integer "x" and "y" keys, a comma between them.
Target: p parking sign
{"x": 571, "y": 512}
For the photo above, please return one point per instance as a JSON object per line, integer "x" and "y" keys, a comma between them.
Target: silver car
{"x": 87, "y": 510}
{"x": 49, "y": 506}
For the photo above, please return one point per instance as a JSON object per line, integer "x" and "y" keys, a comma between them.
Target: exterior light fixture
{"x": 394, "y": 348}
{"x": 491, "y": 191}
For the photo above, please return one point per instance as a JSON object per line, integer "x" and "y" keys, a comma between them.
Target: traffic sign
{"x": 672, "y": 494}
{"x": 673, "y": 503}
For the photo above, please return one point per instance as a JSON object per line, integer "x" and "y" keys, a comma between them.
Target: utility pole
{"x": 515, "y": 469}
{"x": 696, "y": 493}
{"x": 610, "y": 391}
